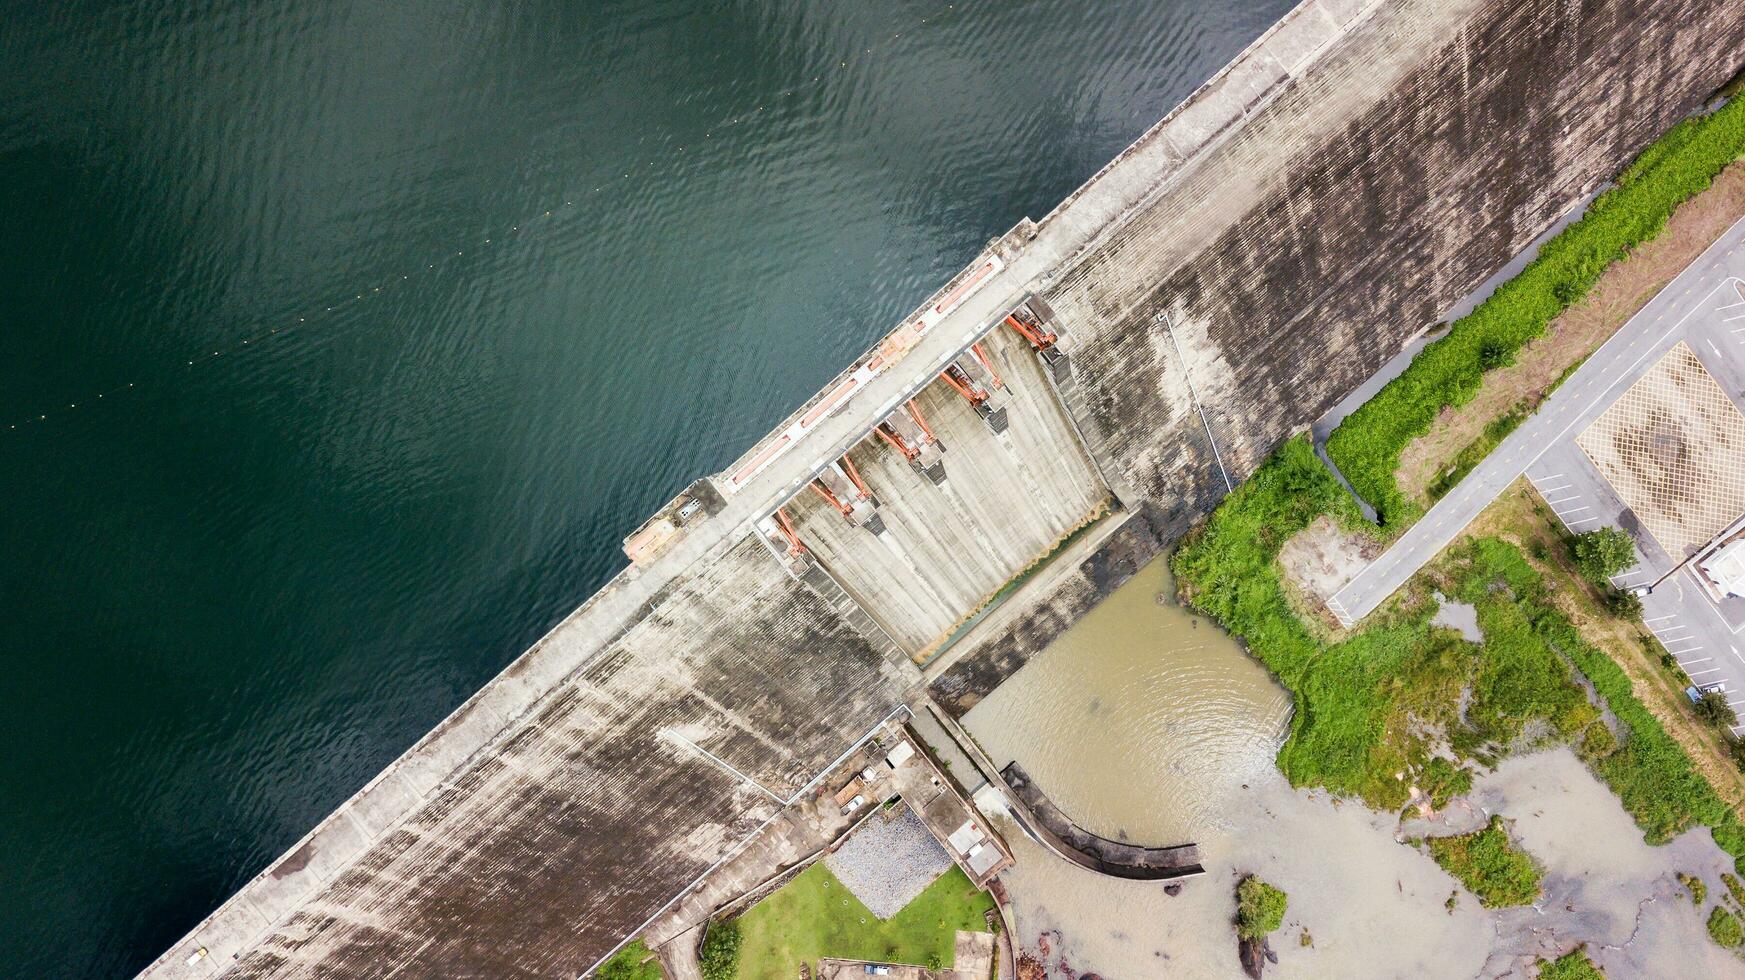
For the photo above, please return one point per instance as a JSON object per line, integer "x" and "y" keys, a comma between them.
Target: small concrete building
{"x": 1726, "y": 568}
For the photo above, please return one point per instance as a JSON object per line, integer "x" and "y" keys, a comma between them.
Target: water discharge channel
{"x": 1142, "y": 722}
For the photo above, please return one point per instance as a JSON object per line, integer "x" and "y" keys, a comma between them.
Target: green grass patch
{"x": 1573, "y": 965}
{"x": 814, "y": 916}
{"x": 1260, "y": 908}
{"x": 1490, "y": 866}
{"x": 1367, "y": 445}
{"x": 1724, "y": 928}
{"x": 633, "y": 962}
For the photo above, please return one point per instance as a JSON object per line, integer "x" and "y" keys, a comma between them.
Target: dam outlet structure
{"x": 1083, "y": 392}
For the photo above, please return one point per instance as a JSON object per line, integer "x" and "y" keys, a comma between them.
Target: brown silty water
{"x": 1141, "y": 722}
{"x": 1146, "y": 722}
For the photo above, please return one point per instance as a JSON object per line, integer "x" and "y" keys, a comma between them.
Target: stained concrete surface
{"x": 1008, "y": 500}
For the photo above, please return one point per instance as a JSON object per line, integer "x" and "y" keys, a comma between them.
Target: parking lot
{"x": 1704, "y": 632}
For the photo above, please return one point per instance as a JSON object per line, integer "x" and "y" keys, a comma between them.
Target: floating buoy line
{"x": 516, "y": 230}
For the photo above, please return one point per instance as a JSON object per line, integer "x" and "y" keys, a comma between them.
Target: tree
{"x": 720, "y": 956}
{"x": 1712, "y": 708}
{"x": 1603, "y": 553}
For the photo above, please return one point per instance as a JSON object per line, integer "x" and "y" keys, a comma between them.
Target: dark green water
{"x": 236, "y": 590}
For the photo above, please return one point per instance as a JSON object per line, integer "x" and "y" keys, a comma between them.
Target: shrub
{"x": 1698, "y": 889}
{"x": 720, "y": 957}
{"x": 1367, "y": 444}
{"x": 1260, "y": 908}
{"x": 1598, "y": 741}
{"x": 1624, "y": 605}
{"x": 1724, "y": 928}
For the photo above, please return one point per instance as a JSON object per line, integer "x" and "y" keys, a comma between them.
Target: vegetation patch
{"x": 1734, "y": 889}
{"x": 634, "y": 962}
{"x": 1573, "y": 965}
{"x": 1367, "y": 445}
{"x": 1490, "y": 866}
{"x": 1260, "y": 908}
{"x": 816, "y": 916}
{"x": 1372, "y": 708}
{"x": 1699, "y": 891}
{"x": 1369, "y": 707}
{"x": 1724, "y": 928}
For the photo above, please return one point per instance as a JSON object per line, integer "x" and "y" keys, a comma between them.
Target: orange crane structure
{"x": 1045, "y": 342}
{"x": 841, "y": 486}
{"x": 974, "y": 377}
{"x": 906, "y": 429}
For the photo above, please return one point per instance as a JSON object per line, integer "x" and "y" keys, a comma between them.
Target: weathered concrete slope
{"x": 1307, "y": 211}
{"x": 1329, "y": 228}
{"x": 593, "y": 812}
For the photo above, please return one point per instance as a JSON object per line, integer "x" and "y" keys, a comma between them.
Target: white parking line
{"x": 1562, "y": 500}
{"x": 1711, "y": 670}
{"x": 1573, "y": 510}
{"x": 1693, "y": 663}
{"x": 1659, "y": 618}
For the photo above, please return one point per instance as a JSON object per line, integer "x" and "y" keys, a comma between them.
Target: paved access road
{"x": 1690, "y": 308}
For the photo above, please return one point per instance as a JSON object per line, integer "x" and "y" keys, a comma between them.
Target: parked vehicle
{"x": 853, "y": 805}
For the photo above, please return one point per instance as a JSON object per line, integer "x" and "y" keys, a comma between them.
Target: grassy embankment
{"x": 1368, "y": 444}
{"x": 815, "y": 916}
{"x": 1656, "y": 680}
{"x": 1489, "y": 864}
{"x": 1372, "y": 705}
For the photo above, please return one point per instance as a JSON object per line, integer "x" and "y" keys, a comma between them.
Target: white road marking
{"x": 1711, "y": 670}
{"x": 1693, "y": 663}
{"x": 1659, "y": 618}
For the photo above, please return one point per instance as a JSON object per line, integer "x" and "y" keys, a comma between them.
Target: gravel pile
{"x": 887, "y": 863}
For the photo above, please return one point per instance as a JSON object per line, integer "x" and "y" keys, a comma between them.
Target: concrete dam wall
{"x": 1238, "y": 269}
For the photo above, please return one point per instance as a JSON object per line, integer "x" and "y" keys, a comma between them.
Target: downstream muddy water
{"x": 1143, "y": 721}
{"x": 1148, "y": 723}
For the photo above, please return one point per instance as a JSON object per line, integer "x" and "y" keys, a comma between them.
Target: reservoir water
{"x": 344, "y": 341}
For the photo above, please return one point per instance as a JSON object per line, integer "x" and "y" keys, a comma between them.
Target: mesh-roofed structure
{"x": 1673, "y": 447}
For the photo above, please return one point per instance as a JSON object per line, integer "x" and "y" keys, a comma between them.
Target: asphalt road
{"x": 1696, "y": 306}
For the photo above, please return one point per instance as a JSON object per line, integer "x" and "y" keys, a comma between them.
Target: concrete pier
{"x": 1317, "y": 203}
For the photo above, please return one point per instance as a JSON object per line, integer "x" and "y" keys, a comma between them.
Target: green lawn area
{"x": 815, "y": 916}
